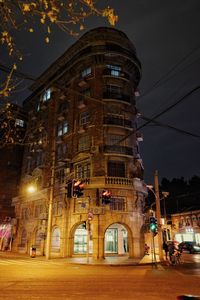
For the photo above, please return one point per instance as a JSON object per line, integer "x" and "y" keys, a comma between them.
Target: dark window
{"x": 116, "y": 169}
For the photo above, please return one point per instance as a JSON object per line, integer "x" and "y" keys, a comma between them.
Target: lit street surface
{"x": 36, "y": 278}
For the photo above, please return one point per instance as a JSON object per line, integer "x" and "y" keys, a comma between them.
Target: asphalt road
{"x": 26, "y": 278}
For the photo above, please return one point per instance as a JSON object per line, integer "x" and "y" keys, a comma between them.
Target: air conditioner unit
{"x": 94, "y": 149}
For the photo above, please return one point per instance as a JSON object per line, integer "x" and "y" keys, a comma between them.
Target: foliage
{"x": 68, "y": 15}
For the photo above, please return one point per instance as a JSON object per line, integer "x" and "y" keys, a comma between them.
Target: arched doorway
{"x": 116, "y": 240}
{"x": 80, "y": 239}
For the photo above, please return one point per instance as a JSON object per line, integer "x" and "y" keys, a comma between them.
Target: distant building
{"x": 12, "y": 130}
{"x": 186, "y": 226}
{"x": 82, "y": 128}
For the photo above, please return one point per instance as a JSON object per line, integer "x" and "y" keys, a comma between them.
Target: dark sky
{"x": 166, "y": 36}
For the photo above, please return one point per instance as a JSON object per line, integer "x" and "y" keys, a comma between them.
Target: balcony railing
{"x": 117, "y": 121}
{"x": 116, "y": 96}
{"x": 119, "y": 181}
{"x": 118, "y": 149}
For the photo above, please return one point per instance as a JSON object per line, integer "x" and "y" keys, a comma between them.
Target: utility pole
{"x": 158, "y": 215}
{"x": 52, "y": 178}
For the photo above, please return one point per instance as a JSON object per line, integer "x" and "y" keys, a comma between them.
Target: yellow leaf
{"x": 30, "y": 29}
{"x": 26, "y": 7}
{"x": 47, "y": 40}
{"x": 48, "y": 29}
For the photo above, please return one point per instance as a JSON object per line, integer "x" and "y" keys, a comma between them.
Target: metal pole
{"x": 88, "y": 241}
{"x": 158, "y": 215}
{"x": 52, "y": 181}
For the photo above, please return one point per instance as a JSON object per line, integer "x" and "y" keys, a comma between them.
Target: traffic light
{"x": 153, "y": 225}
{"x": 78, "y": 187}
{"x": 106, "y": 196}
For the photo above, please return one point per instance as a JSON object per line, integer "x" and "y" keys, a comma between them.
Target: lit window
{"x": 84, "y": 117}
{"x": 19, "y": 122}
{"x": 47, "y": 95}
{"x": 114, "y": 70}
{"x": 62, "y": 128}
{"x": 86, "y": 72}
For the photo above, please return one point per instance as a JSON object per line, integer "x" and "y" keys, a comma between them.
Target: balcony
{"x": 117, "y": 121}
{"x": 118, "y": 149}
{"x": 116, "y": 96}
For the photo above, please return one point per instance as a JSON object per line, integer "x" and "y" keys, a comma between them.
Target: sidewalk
{"x": 109, "y": 260}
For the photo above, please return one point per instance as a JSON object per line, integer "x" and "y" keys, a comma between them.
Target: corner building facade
{"x": 82, "y": 126}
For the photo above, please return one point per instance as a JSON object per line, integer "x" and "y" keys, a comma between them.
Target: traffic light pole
{"x": 158, "y": 215}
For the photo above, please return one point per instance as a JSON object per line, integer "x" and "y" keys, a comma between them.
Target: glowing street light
{"x": 31, "y": 189}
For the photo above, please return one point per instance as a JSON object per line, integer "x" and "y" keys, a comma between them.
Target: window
{"x": 62, "y": 128}
{"x": 116, "y": 169}
{"x": 86, "y": 92}
{"x": 84, "y": 143}
{"x": 114, "y": 70}
{"x": 82, "y": 170}
{"x": 114, "y": 89}
{"x": 86, "y": 72}
{"x": 114, "y": 139}
{"x": 47, "y": 95}
{"x": 61, "y": 151}
{"x": 60, "y": 176}
{"x": 117, "y": 204}
{"x": 63, "y": 106}
{"x": 19, "y": 122}
{"x": 84, "y": 118}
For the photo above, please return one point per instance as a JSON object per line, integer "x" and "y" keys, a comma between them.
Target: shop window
{"x": 116, "y": 169}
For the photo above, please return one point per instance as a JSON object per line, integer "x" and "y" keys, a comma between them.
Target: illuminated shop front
{"x": 116, "y": 240}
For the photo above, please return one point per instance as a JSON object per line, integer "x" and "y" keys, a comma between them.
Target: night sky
{"x": 166, "y": 36}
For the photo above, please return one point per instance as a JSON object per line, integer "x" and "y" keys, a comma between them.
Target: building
{"x": 12, "y": 133}
{"x": 82, "y": 128}
{"x": 186, "y": 226}
{"x": 12, "y": 130}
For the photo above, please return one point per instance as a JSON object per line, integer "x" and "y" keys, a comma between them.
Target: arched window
{"x": 56, "y": 239}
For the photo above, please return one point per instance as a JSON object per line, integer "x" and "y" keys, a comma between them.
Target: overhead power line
{"x": 164, "y": 77}
{"x": 17, "y": 73}
{"x": 160, "y": 114}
